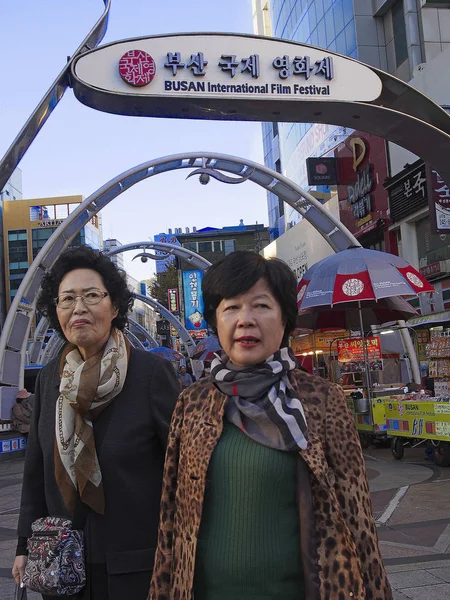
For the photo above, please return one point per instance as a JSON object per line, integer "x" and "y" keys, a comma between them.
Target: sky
{"x": 79, "y": 149}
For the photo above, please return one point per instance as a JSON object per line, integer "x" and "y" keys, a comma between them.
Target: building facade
{"x": 28, "y": 224}
{"x": 11, "y": 191}
{"x": 397, "y": 36}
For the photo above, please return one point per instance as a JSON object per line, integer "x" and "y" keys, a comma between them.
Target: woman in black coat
{"x": 100, "y": 422}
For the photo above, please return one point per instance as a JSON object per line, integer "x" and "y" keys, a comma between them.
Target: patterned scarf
{"x": 86, "y": 389}
{"x": 262, "y": 402}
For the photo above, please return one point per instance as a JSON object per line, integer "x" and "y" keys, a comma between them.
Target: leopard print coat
{"x": 339, "y": 544}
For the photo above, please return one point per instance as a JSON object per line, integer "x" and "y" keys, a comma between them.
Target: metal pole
{"x": 366, "y": 358}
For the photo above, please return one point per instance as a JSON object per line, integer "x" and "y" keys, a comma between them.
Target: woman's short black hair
{"x": 240, "y": 271}
{"x": 83, "y": 257}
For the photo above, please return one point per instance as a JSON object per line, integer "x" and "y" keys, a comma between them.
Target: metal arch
{"x": 13, "y": 339}
{"x": 162, "y": 310}
{"x": 171, "y": 249}
{"x": 43, "y": 110}
{"x": 133, "y": 339}
{"x": 138, "y": 327}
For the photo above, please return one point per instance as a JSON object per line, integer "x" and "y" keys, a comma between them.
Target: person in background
{"x": 265, "y": 493}
{"x": 99, "y": 428}
{"x": 184, "y": 378}
{"x": 22, "y": 410}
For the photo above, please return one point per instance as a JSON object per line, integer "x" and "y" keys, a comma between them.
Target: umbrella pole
{"x": 366, "y": 358}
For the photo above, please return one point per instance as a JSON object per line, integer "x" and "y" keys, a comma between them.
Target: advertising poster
{"x": 351, "y": 354}
{"x": 193, "y": 304}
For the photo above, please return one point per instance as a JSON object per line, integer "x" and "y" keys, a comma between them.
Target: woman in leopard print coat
{"x": 251, "y": 303}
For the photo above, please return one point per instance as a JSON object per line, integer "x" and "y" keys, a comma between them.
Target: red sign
{"x": 137, "y": 68}
{"x": 172, "y": 300}
{"x": 351, "y": 350}
{"x": 433, "y": 269}
{"x": 362, "y": 166}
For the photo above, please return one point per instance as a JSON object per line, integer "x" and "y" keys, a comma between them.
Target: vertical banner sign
{"x": 438, "y": 201}
{"x": 172, "y": 300}
{"x": 193, "y": 303}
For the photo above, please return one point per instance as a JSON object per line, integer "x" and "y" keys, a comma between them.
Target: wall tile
{"x": 390, "y": 52}
{"x": 430, "y": 25}
{"x": 366, "y": 31}
{"x": 370, "y": 55}
{"x": 444, "y": 24}
{"x": 432, "y": 49}
{"x": 388, "y": 27}
{"x": 363, "y": 7}
{"x": 380, "y": 31}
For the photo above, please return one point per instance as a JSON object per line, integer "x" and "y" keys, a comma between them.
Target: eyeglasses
{"x": 89, "y": 298}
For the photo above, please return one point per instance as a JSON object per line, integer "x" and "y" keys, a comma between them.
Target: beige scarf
{"x": 86, "y": 389}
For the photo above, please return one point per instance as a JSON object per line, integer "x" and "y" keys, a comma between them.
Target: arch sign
{"x": 252, "y": 78}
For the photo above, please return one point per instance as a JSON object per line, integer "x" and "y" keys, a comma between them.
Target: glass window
{"x": 347, "y": 7}
{"x": 350, "y": 37}
{"x": 205, "y": 247}
{"x": 229, "y": 246}
{"x": 321, "y": 34}
{"x": 17, "y": 245}
{"x": 329, "y": 24}
{"x": 341, "y": 46}
{"x": 400, "y": 43}
{"x": 190, "y": 246}
{"x": 338, "y": 13}
{"x": 218, "y": 246}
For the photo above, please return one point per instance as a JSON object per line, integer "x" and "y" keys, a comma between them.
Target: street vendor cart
{"x": 413, "y": 420}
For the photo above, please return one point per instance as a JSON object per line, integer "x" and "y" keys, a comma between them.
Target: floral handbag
{"x": 55, "y": 565}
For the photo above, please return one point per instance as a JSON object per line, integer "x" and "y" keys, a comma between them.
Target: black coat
{"x": 130, "y": 437}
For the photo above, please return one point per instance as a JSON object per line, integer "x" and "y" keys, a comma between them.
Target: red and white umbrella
{"x": 358, "y": 274}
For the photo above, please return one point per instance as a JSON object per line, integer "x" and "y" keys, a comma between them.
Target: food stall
{"x": 415, "y": 419}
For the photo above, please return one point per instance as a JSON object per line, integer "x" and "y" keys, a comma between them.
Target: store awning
{"x": 439, "y": 317}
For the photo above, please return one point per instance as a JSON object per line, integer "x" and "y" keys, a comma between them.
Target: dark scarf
{"x": 262, "y": 402}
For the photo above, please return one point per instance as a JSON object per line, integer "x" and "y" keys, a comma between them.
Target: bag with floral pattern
{"x": 55, "y": 565}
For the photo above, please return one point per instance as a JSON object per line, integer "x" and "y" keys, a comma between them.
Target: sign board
{"x": 162, "y": 327}
{"x": 322, "y": 171}
{"x": 438, "y": 201}
{"x": 172, "y": 300}
{"x": 351, "y": 349}
{"x": 130, "y": 77}
{"x": 193, "y": 302}
{"x": 162, "y": 263}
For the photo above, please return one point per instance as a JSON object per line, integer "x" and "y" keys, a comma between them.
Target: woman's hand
{"x": 18, "y": 569}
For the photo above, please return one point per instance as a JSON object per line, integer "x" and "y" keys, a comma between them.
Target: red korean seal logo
{"x": 137, "y": 68}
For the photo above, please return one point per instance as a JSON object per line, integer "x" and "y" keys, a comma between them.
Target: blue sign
{"x": 193, "y": 300}
{"x": 165, "y": 238}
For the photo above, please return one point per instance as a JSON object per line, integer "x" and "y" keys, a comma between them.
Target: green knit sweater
{"x": 249, "y": 539}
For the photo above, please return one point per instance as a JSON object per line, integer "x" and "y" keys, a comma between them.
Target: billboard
{"x": 165, "y": 238}
{"x": 193, "y": 304}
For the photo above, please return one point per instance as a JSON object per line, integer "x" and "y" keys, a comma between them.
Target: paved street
{"x": 411, "y": 506}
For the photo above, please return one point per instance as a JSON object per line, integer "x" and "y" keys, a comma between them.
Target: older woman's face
{"x": 86, "y": 326}
{"x": 250, "y": 327}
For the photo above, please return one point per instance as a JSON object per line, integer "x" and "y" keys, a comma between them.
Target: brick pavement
{"x": 414, "y": 540}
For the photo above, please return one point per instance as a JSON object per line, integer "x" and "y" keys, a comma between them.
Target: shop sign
{"x": 351, "y": 350}
{"x": 162, "y": 327}
{"x": 319, "y": 340}
{"x": 408, "y": 195}
{"x": 436, "y": 268}
{"x": 172, "y": 300}
{"x": 50, "y": 223}
{"x": 322, "y": 171}
{"x": 362, "y": 200}
{"x": 193, "y": 301}
{"x": 219, "y": 66}
{"x": 439, "y": 201}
